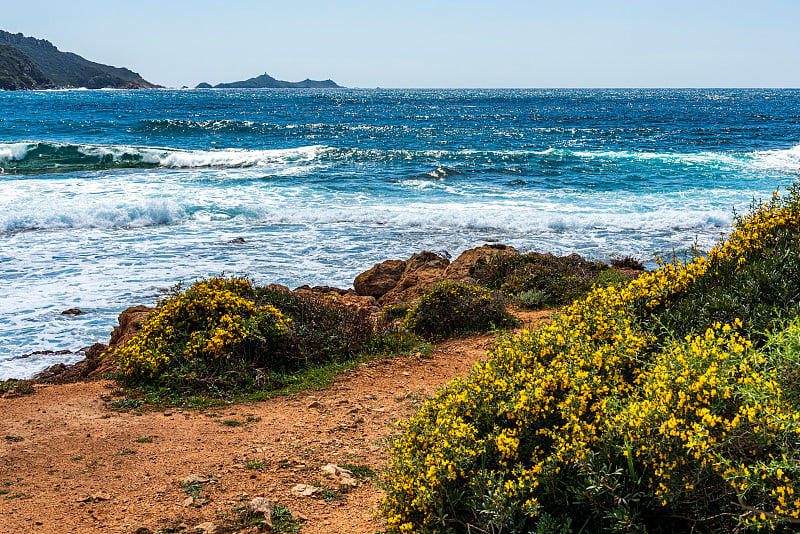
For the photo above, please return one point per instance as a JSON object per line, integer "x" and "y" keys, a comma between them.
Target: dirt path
{"x": 68, "y": 463}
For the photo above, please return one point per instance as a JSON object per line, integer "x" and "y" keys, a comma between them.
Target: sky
{"x": 411, "y": 43}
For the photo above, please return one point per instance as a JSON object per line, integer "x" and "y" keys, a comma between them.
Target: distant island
{"x": 265, "y": 81}
{"x": 29, "y": 63}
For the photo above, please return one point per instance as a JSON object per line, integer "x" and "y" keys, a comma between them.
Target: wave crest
{"x": 41, "y": 157}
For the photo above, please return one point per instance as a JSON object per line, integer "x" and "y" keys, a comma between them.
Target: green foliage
{"x": 16, "y": 388}
{"x": 635, "y": 410}
{"x": 627, "y": 262}
{"x": 533, "y": 299}
{"x": 359, "y": 471}
{"x": 544, "y": 279}
{"x": 755, "y": 285}
{"x": 320, "y": 330}
{"x": 453, "y": 308}
{"x": 18, "y": 72}
{"x": 282, "y": 520}
{"x": 782, "y": 349}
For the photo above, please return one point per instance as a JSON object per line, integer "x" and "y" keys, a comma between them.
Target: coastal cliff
{"x": 17, "y": 72}
{"x": 64, "y": 69}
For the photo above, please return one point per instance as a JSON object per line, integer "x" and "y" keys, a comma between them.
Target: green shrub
{"x": 782, "y": 349}
{"x": 557, "y": 280}
{"x": 757, "y": 284}
{"x": 627, "y": 262}
{"x": 320, "y": 329}
{"x": 533, "y": 299}
{"x": 452, "y": 308}
{"x": 224, "y": 333}
{"x": 606, "y": 420}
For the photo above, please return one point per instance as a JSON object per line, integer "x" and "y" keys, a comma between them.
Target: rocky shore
{"x": 390, "y": 282}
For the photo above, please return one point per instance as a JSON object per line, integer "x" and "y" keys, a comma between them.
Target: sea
{"x": 109, "y": 198}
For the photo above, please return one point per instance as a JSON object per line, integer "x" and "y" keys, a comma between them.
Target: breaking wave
{"x": 43, "y": 157}
{"x": 40, "y": 157}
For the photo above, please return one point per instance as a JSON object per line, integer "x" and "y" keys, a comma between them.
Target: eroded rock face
{"x": 98, "y": 361}
{"x": 91, "y": 365}
{"x": 422, "y": 271}
{"x": 130, "y": 322}
{"x": 380, "y": 279}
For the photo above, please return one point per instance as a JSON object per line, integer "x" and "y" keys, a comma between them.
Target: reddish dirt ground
{"x": 68, "y": 463}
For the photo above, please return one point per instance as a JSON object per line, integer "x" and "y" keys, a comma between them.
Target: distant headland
{"x": 265, "y": 81}
{"x": 30, "y": 63}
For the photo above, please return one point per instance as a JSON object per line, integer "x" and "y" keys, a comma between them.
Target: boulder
{"x": 306, "y": 490}
{"x": 357, "y": 304}
{"x": 380, "y": 279}
{"x": 343, "y": 478}
{"x": 422, "y": 271}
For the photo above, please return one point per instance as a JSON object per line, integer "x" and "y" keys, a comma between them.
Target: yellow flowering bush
{"x": 452, "y": 307}
{"x": 632, "y": 411}
{"x": 212, "y": 325}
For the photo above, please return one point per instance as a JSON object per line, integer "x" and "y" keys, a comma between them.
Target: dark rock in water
{"x": 204, "y": 85}
{"x": 42, "y": 353}
{"x": 236, "y": 240}
{"x": 61, "y": 373}
{"x": 73, "y": 311}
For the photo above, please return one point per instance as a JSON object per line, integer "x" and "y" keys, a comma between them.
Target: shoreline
{"x": 389, "y": 282}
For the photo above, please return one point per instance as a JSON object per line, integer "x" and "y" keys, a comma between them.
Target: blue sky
{"x": 498, "y": 43}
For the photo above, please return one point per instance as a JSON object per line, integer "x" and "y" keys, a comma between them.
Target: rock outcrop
{"x": 130, "y": 322}
{"x": 97, "y": 361}
{"x": 396, "y": 281}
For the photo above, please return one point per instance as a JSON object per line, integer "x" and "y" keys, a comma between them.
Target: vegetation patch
{"x": 224, "y": 338}
{"x": 544, "y": 280}
{"x": 455, "y": 308}
{"x": 668, "y": 404}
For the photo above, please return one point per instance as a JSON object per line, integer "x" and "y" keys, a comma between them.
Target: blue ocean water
{"x": 109, "y": 197}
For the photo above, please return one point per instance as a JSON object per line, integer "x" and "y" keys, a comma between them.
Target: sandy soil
{"x": 69, "y": 463}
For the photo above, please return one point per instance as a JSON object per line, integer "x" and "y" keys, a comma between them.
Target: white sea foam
{"x": 103, "y": 215}
{"x": 788, "y": 159}
{"x": 13, "y": 151}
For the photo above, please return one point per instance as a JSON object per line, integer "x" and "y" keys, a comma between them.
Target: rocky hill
{"x": 17, "y": 72}
{"x": 265, "y": 81}
{"x": 65, "y": 69}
